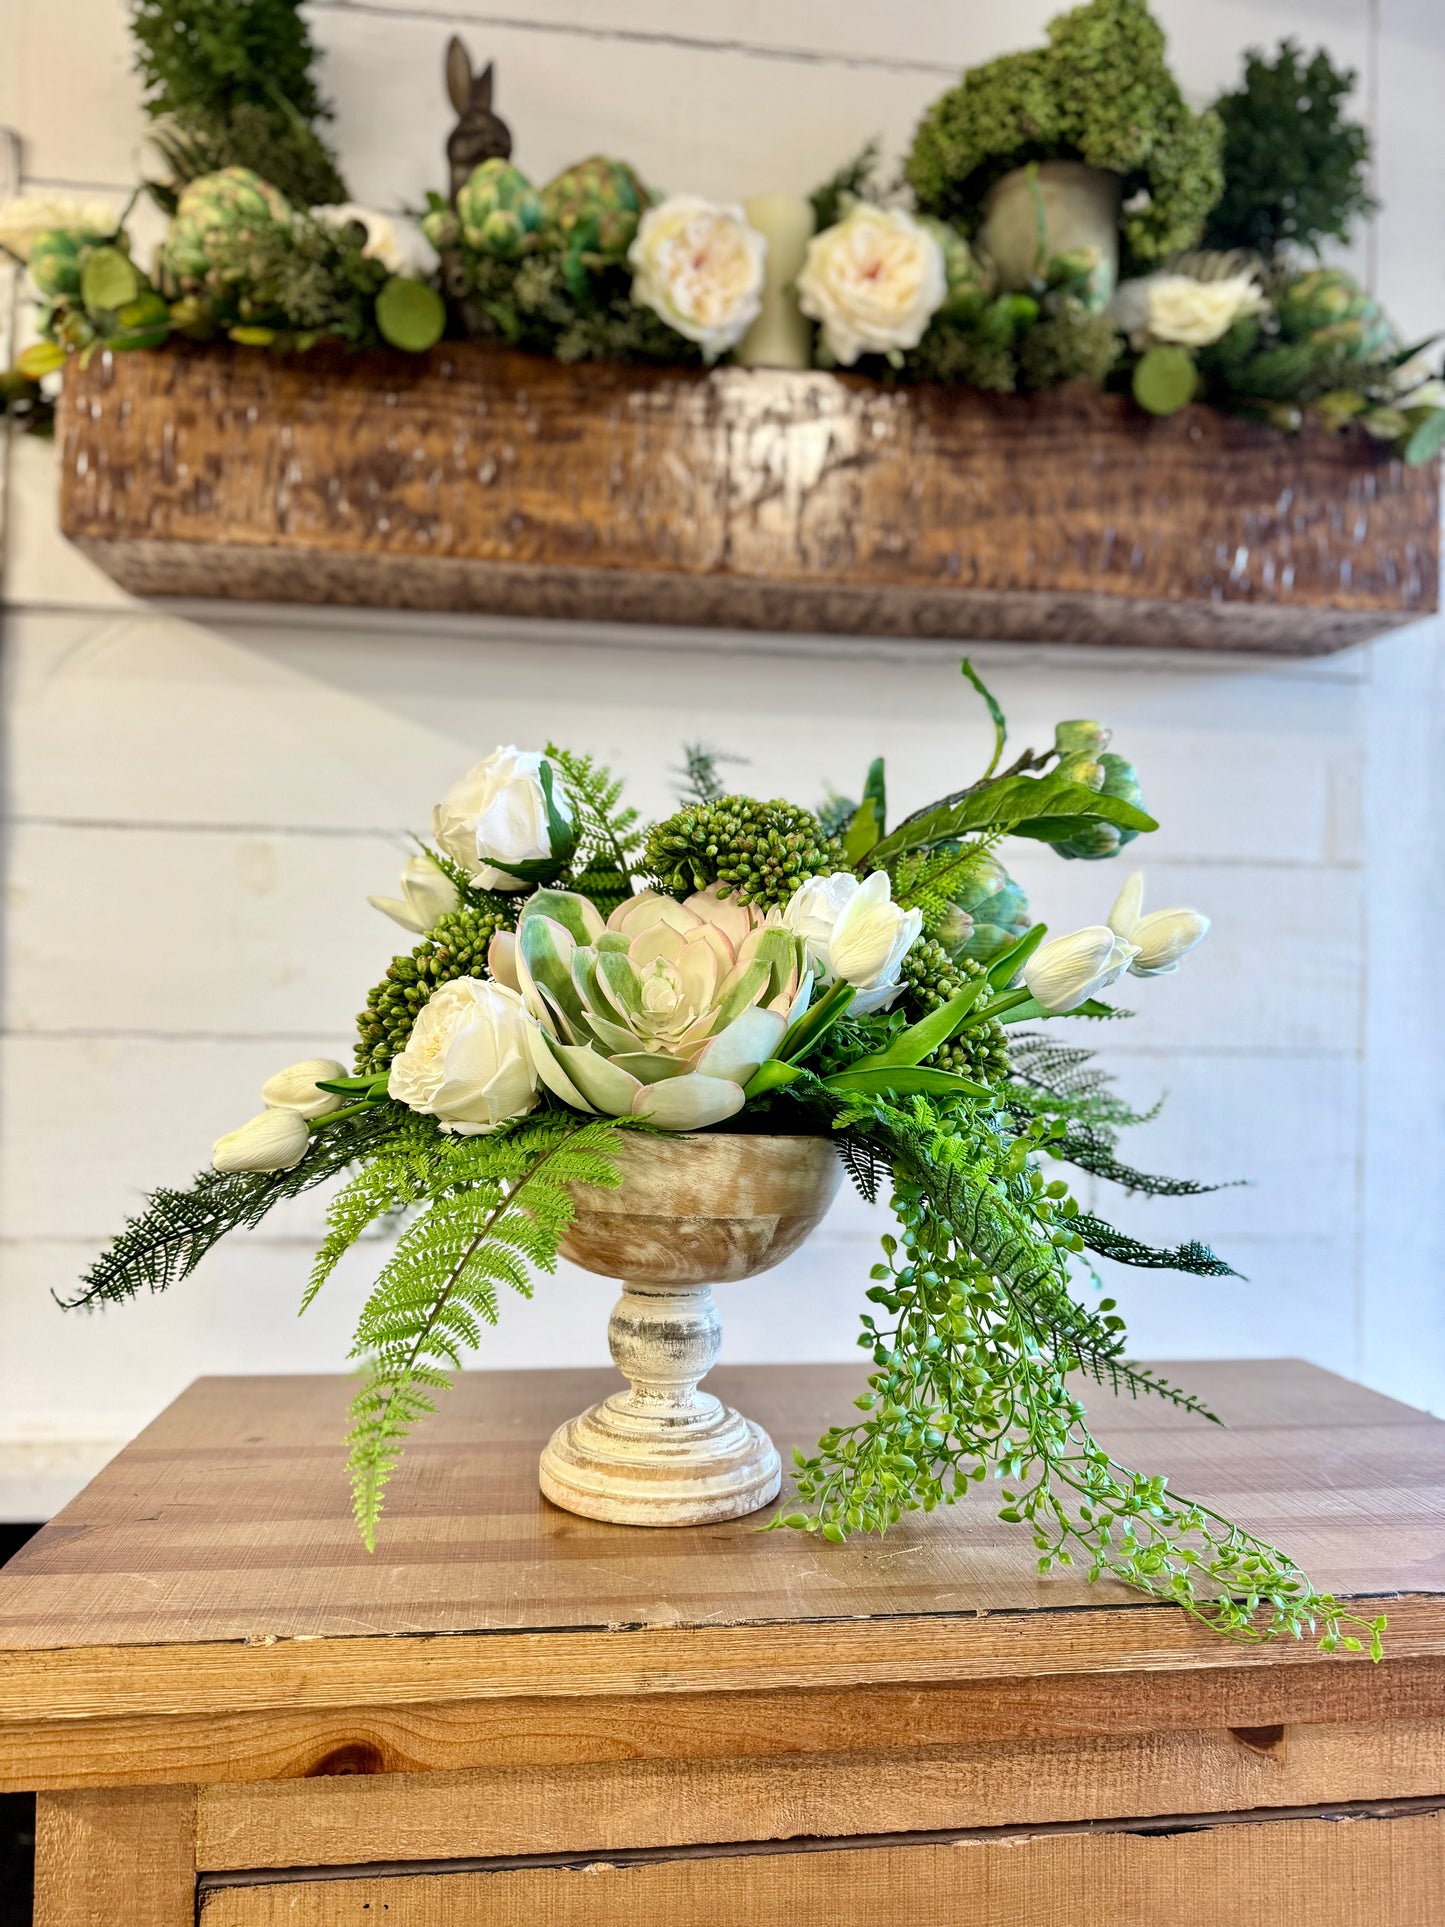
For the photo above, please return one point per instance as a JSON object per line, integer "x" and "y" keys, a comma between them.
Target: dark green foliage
{"x": 234, "y": 79}
{"x": 309, "y": 279}
{"x": 533, "y": 303}
{"x": 1192, "y": 1257}
{"x": 702, "y": 780}
{"x": 758, "y": 852}
{"x": 456, "y": 947}
{"x": 963, "y": 355}
{"x": 1295, "y": 169}
{"x": 1100, "y": 92}
{"x": 930, "y": 978}
{"x": 494, "y": 1209}
{"x": 169, "y": 1238}
{"x": 853, "y": 181}
{"x": 608, "y": 836}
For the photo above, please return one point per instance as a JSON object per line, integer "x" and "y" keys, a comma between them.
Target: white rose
{"x": 854, "y": 932}
{"x": 394, "y": 240}
{"x": 294, "y": 1089}
{"x": 274, "y": 1141}
{"x": 22, "y": 220}
{"x": 1066, "y": 971}
{"x": 427, "y": 894}
{"x": 468, "y": 1062}
{"x": 874, "y": 281}
{"x": 701, "y": 268}
{"x": 497, "y": 815}
{"x": 1176, "y": 308}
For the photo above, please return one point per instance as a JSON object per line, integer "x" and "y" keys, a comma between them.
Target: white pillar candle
{"x": 780, "y": 337}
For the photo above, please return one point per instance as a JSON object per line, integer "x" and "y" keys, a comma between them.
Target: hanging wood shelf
{"x": 479, "y": 479}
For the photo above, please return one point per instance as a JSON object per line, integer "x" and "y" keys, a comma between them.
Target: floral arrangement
{"x": 900, "y": 282}
{"x": 754, "y": 965}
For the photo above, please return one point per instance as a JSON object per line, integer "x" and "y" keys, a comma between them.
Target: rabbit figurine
{"x": 478, "y": 135}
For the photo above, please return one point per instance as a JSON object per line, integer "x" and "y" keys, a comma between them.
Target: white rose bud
{"x": 468, "y": 1062}
{"x": 1067, "y": 971}
{"x": 854, "y": 932}
{"x": 700, "y": 267}
{"x": 274, "y": 1141}
{"x": 1161, "y": 938}
{"x": 393, "y": 239}
{"x": 294, "y": 1089}
{"x": 1178, "y": 309}
{"x": 874, "y": 281}
{"x": 496, "y": 815}
{"x": 427, "y": 894}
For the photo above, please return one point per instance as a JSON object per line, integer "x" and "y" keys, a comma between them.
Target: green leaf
{"x": 39, "y": 359}
{"x": 1426, "y": 436}
{"x": 108, "y": 279}
{"x": 1020, "y": 805}
{"x": 863, "y": 832}
{"x": 815, "y": 1022}
{"x": 410, "y": 314}
{"x": 929, "y": 1034}
{"x": 907, "y": 1078}
{"x": 1011, "y": 961}
{"x": 1032, "y": 1012}
{"x": 1000, "y": 726}
{"x": 771, "y": 1075}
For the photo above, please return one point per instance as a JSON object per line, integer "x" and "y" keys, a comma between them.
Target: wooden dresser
{"x": 511, "y": 1715}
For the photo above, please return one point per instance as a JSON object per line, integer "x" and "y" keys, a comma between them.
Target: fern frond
{"x": 170, "y": 1237}
{"x": 400, "y": 1173}
{"x": 499, "y": 1208}
{"x": 1192, "y": 1257}
{"x": 608, "y": 833}
{"x": 1092, "y": 1151}
{"x": 702, "y": 781}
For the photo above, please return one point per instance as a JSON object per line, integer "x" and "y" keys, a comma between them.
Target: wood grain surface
{"x": 213, "y": 1569}
{"x": 1336, "y": 1870}
{"x": 113, "y": 1859}
{"x": 474, "y": 478}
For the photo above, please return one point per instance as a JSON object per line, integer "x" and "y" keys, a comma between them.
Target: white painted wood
{"x": 198, "y": 805}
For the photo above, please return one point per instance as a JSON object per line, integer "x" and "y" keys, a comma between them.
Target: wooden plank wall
{"x": 197, "y": 808}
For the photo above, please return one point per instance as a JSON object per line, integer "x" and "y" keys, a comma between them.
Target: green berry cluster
{"x": 930, "y": 978}
{"x": 457, "y": 947}
{"x": 758, "y": 852}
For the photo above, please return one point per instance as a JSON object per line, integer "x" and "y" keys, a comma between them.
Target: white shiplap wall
{"x": 198, "y": 803}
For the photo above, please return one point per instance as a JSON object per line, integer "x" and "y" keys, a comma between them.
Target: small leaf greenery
{"x": 985, "y": 1310}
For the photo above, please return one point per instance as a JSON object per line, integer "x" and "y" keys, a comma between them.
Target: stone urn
{"x": 1036, "y": 213}
{"x": 691, "y": 1212}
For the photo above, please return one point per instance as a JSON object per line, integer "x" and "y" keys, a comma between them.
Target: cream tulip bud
{"x": 294, "y": 1089}
{"x": 274, "y": 1141}
{"x": 1162, "y": 938}
{"x": 1067, "y": 971}
{"x": 427, "y": 895}
{"x": 854, "y": 933}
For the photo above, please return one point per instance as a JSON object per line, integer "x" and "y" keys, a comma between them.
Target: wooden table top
{"x": 214, "y": 1564}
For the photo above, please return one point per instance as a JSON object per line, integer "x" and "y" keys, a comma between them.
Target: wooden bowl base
{"x": 632, "y": 1466}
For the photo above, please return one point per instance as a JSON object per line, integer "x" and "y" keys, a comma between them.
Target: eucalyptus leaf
{"x": 1013, "y": 804}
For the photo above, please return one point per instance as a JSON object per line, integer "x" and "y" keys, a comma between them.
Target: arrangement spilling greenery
{"x": 751, "y": 964}
{"x": 1220, "y": 219}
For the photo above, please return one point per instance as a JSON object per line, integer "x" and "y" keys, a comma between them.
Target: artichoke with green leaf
{"x": 500, "y": 211}
{"x": 591, "y": 210}
{"x": 1331, "y": 311}
{"x": 215, "y": 212}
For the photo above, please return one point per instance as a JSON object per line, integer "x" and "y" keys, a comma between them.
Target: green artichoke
{"x": 500, "y": 211}
{"x": 1329, "y": 309}
{"x": 231, "y": 205}
{"x": 988, "y": 913}
{"x": 1095, "y": 840}
{"x": 57, "y": 258}
{"x": 592, "y": 210}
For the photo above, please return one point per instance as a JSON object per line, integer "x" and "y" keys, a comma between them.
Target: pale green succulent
{"x": 500, "y": 210}
{"x": 592, "y": 209}
{"x": 218, "y": 210}
{"x": 664, "y": 1011}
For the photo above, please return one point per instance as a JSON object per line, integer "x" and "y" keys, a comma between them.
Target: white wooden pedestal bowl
{"x": 691, "y": 1212}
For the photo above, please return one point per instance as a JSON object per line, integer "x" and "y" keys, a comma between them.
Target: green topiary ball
{"x": 930, "y": 978}
{"x": 758, "y": 852}
{"x": 457, "y": 947}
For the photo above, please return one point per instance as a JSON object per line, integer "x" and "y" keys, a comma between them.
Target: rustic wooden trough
{"x": 480, "y": 479}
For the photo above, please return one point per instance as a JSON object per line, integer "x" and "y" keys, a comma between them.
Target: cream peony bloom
{"x": 467, "y": 1062}
{"x": 393, "y": 239}
{"x": 497, "y": 816}
{"x": 874, "y": 281}
{"x": 427, "y": 894}
{"x": 1177, "y": 309}
{"x": 22, "y": 220}
{"x": 294, "y": 1089}
{"x": 1162, "y": 938}
{"x": 274, "y": 1141}
{"x": 854, "y": 932}
{"x": 1067, "y": 971}
{"x": 700, "y": 267}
